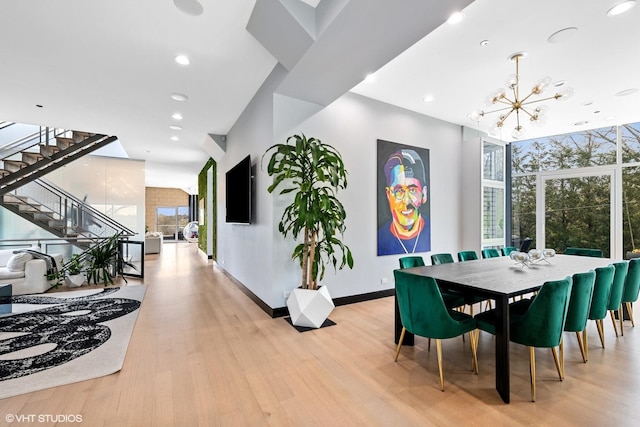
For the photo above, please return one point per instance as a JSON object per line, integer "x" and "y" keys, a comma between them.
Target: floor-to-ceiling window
{"x": 579, "y": 189}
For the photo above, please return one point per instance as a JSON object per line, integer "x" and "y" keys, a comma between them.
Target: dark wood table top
{"x": 501, "y": 276}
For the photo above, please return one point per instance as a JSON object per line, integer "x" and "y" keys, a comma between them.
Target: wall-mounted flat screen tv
{"x": 238, "y": 192}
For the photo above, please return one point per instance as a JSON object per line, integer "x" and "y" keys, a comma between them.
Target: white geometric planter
{"x": 75, "y": 280}
{"x": 310, "y": 308}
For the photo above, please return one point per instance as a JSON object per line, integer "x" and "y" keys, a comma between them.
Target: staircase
{"x": 25, "y": 160}
{"x": 39, "y": 153}
{"x": 60, "y": 213}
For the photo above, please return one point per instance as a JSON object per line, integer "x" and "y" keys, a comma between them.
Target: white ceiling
{"x": 599, "y": 60}
{"x": 107, "y": 67}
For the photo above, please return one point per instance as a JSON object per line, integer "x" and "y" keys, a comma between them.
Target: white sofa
{"x": 30, "y": 280}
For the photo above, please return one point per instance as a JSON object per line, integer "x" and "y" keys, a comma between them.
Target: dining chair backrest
{"x": 542, "y": 324}
{"x": 441, "y": 259}
{"x": 422, "y": 308}
{"x": 507, "y": 250}
{"x": 632, "y": 283}
{"x": 601, "y": 292}
{"x": 584, "y": 252}
{"x": 490, "y": 253}
{"x": 617, "y": 287}
{"x": 467, "y": 255}
{"x": 526, "y": 244}
{"x": 411, "y": 261}
{"x": 580, "y": 301}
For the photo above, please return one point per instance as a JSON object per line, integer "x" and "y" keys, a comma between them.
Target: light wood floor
{"x": 203, "y": 354}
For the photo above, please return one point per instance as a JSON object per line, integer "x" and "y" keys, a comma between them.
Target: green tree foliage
{"x": 578, "y": 208}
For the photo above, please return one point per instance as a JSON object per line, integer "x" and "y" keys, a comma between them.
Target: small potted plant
{"x": 74, "y": 276}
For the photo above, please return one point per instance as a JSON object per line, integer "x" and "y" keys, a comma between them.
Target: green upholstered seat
{"x": 423, "y": 313}
{"x": 584, "y": 252}
{"x": 578, "y": 311}
{"x": 450, "y": 299}
{"x": 490, "y": 253}
{"x": 617, "y": 288}
{"x": 507, "y": 250}
{"x": 540, "y": 325}
{"x": 631, "y": 287}
{"x": 601, "y": 292}
{"x": 467, "y": 256}
{"x": 444, "y": 258}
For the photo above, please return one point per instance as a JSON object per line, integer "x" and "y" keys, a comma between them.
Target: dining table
{"x": 500, "y": 279}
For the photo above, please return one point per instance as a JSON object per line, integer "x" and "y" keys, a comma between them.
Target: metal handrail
{"x": 45, "y": 134}
{"x": 85, "y": 206}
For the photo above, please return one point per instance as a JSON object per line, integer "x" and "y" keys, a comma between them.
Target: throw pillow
{"x": 17, "y": 261}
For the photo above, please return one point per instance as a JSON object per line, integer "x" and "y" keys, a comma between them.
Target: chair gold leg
{"x": 600, "y": 331}
{"x": 586, "y": 344}
{"x": 439, "y": 350}
{"x": 474, "y": 350}
{"x": 621, "y": 319}
{"x": 471, "y": 309}
{"x": 400, "y": 343}
{"x": 532, "y": 372}
{"x": 582, "y": 350}
{"x": 613, "y": 320}
{"x": 630, "y": 310}
{"x": 559, "y": 367}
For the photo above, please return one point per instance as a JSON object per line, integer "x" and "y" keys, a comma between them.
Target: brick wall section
{"x": 155, "y": 196}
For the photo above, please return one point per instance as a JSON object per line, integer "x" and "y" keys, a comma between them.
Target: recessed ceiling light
{"x": 175, "y": 138}
{"x": 559, "y": 83}
{"x": 190, "y": 7}
{"x": 626, "y": 92}
{"x": 455, "y": 18}
{"x": 428, "y": 98}
{"x": 38, "y": 105}
{"x": 174, "y": 127}
{"x": 581, "y": 123}
{"x": 176, "y": 116}
{"x": 609, "y": 118}
{"x": 182, "y": 60}
{"x": 596, "y": 112}
{"x": 586, "y": 104}
{"x": 179, "y": 97}
{"x": 484, "y": 43}
{"x": 563, "y": 35}
{"x": 621, "y": 8}
{"x": 370, "y": 78}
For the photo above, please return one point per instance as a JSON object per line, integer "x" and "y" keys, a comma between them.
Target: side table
{"x": 5, "y": 299}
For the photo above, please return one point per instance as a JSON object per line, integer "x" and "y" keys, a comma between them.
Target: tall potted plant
{"x": 312, "y": 172}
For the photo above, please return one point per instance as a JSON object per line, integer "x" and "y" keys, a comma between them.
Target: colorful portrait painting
{"x": 404, "y": 225}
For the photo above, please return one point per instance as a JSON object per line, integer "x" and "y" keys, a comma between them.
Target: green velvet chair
{"x": 598, "y": 309}
{"x": 539, "y": 325}
{"x": 584, "y": 252}
{"x": 423, "y": 313}
{"x": 467, "y": 256}
{"x": 490, "y": 253}
{"x": 450, "y": 299}
{"x": 617, "y": 288}
{"x": 578, "y": 311}
{"x": 631, "y": 288}
{"x": 437, "y": 259}
{"x": 506, "y": 251}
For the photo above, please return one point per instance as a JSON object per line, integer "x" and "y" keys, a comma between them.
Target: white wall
{"x": 259, "y": 257}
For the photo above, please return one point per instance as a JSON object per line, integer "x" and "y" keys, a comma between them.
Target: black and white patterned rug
{"x": 55, "y": 339}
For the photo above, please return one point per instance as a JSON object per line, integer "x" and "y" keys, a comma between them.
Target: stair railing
{"x": 45, "y": 136}
{"x": 75, "y": 216}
